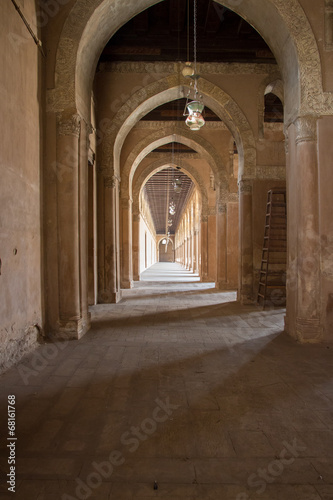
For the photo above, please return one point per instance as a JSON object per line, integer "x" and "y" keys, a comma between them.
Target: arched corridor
{"x": 166, "y": 249}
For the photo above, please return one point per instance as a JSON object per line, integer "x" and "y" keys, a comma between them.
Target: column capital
{"x": 126, "y": 202}
{"x": 211, "y": 211}
{"x": 89, "y": 129}
{"x": 69, "y": 125}
{"x": 221, "y": 208}
{"x": 306, "y": 128}
{"x": 245, "y": 186}
{"x": 111, "y": 181}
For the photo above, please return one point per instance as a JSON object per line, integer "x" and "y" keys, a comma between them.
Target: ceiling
{"x": 160, "y": 34}
{"x": 156, "y": 194}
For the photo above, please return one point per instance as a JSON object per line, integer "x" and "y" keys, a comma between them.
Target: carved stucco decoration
{"x": 245, "y": 186}
{"x": 306, "y": 129}
{"x": 69, "y": 125}
{"x": 271, "y": 172}
{"x": 93, "y": 22}
{"x": 203, "y": 68}
{"x": 313, "y": 99}
{"x": 157, "y": 124}
{"x": 159, "y": 165}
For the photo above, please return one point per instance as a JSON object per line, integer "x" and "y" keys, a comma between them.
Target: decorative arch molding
{"x": 160, "y": 165}
{"x": 165, "y": 136}
{"x": 91, "y": 23}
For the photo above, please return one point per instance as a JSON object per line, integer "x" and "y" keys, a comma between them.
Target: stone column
{"x": 196, "y": 239}
{"x": 72, "y": 232}
{"x": 86, "y": 130}
{"x": 246, "y": 292}
{"x": 126, "y": 244}
{"x": 204, "y": 248}
{"x": 221, "y": 238}
{"x": 136, "y": 246}
{"x": 308, "y": 324}
{"x": 108, "y": 273}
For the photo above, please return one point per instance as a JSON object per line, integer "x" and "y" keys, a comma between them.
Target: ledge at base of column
{"x": 110, "y": 298}
{"x": 73, "y": 329}
{"x": 246, "y": 297}
{"x": 309, "y": 330}
{"x": 127, "y": 285}
{"x": 223, "y": 285}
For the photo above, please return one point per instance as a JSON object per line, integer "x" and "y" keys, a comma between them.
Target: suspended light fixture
{"x": 172, "y": 208}
{"x": 177, "y": 185}
{"x": 194, "y": 109}
{"x": 170, "y": 222}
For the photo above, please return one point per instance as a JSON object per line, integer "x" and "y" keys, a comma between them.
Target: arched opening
{"x": 165, "y": 250}
{"x": 287, "y": 42}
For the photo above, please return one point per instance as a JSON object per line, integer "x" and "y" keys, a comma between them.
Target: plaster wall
{"x": 20, "y": 218}
{"x": 147, "y": 246}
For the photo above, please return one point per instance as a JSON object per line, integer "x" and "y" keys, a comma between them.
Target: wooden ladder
{"x": 272, "y": 278}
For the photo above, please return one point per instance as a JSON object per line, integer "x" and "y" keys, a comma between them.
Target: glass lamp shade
{"x": 195, "y": 119}
{"x": 188, "y": 71}
{"x": 195, "y": 107}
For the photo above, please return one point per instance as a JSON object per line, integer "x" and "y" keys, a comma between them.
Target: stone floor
{"x": 180, "y": 385}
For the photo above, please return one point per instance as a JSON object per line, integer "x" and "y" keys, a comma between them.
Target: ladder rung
{"x": 274, "y": 239}
{"x": 276, "y": 286}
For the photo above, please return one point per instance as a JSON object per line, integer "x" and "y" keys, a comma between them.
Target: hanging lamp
{"x": 194, "y": 109}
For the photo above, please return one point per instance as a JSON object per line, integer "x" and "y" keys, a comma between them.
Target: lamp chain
{"x": 195, "y": 36}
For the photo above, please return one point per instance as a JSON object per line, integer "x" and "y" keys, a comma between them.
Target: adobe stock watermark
{"x": 131, "y": 440}
{"x": 39, "y": 360}
{"x": 46, "y": 11}
{"x": 275, "y": 468}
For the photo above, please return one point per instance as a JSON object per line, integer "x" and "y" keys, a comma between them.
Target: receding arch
{"x": 165, "y": 136}
{"x": 158, "y": 165}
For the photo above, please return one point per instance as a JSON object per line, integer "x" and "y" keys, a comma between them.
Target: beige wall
{"x": 20, "y": 220}
{"x": 147, "y": 246}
